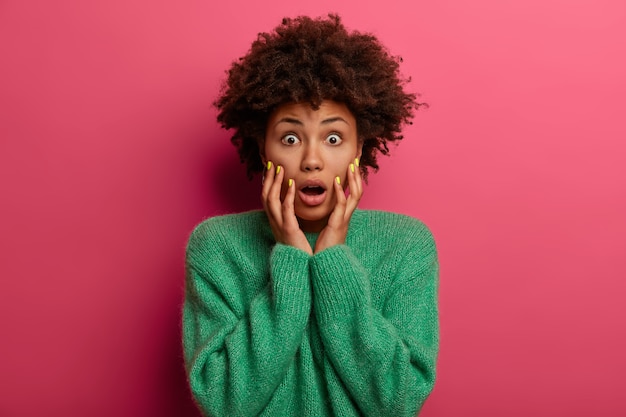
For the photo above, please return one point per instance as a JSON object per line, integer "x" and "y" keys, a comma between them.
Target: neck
{"x": 313, "y": 226}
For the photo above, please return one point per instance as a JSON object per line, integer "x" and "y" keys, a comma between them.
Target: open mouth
{"x": 313, "y": 190}
{"x": 312, "y": 193}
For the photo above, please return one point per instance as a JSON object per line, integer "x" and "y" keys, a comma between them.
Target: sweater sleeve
{"x": 236, "y": 358}
{"x": 385, "y": 359}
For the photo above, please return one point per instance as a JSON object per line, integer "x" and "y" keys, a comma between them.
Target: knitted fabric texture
{"x": 269, "y": 330}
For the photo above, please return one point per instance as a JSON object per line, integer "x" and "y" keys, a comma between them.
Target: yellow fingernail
{"x": 269, "y": 165}
{"x": 338, "y": 180}
{"x": 290, "y": 182}
{"x": 356, "y": 161}
{"x": 278, "y": 170}
{"x": 352, "y": 167}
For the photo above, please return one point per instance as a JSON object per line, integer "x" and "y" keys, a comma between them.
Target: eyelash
{"x": 285, "y": 139}
{"x": 336, "y": 135}
{"x": 288, "y": 135}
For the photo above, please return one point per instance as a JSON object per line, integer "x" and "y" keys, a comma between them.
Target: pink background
{"x": 110, "y": 154}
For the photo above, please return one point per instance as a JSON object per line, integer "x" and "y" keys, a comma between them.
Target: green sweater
{"x": 269, "y": 330}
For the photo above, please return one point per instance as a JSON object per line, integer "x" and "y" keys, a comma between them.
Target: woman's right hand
{"x": 282, "y": 215}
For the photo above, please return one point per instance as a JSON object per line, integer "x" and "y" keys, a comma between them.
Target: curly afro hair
{"x": 311, "y": 60}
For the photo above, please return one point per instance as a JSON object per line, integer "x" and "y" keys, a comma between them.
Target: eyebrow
{"x": 294, "y": 121}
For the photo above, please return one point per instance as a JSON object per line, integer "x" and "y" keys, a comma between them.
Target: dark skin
{"x": 284, "y": 221}
{"x": 318, "y": 146}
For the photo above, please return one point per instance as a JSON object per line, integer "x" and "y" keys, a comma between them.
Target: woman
{"x": 312, "y": 307}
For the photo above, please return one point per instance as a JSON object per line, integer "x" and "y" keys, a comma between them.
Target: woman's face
{"x": 313, "y": 147}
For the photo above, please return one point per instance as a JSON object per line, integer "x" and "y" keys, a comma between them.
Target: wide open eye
{"x": 290, "y": 139}
{"x": 334, "y": 139}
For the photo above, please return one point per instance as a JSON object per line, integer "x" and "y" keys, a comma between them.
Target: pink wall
{"x": 110, "y": 153}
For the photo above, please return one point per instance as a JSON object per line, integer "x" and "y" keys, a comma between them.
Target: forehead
{"x": 305, "y": 114}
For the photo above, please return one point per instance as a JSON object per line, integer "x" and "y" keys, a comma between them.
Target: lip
{"x": 312, "y": 200}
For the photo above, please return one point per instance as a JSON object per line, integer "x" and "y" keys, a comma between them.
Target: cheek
{"x": 290, "y": 168}
{"x": 272, "y": 152}
{"x": 282, "y": 158}
{"x": 342, "y": 166}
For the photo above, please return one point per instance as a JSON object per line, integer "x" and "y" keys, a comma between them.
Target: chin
{"x": 312, "y": 214}
{"x": 310, "y": 217}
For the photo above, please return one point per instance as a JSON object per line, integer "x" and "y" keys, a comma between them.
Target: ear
{"x": 359, "y": 148}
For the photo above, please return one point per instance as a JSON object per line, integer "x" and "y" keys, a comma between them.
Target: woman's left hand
{"x": 336, "y": 230}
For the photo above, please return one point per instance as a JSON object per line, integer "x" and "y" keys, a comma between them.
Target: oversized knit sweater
{"x": 269, "y": 330}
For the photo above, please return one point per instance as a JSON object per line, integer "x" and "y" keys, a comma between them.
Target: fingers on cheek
{"x": 286, "y": 196}
{"x": 276, "y": 185}
{"x": 358, "y": 181}
{"x": 291, "y": 189}
{"x": 350, "y": 183}
{"x": 268, "y": 190}
{"x": 341, "y": 193}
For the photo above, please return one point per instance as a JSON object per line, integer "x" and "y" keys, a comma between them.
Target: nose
{"x": 312, "y": 159}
